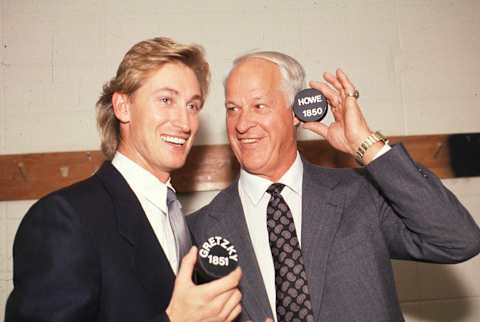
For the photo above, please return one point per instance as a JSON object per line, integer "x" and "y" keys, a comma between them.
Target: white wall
{"x": 416, "y": 63}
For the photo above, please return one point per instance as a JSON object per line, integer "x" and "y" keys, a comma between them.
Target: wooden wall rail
{"x": 209, "y": 167}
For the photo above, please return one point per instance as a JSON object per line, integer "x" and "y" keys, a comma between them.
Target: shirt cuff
{"x": 382, "y": 151}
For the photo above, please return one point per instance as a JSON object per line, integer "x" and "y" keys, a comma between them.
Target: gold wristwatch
{"x": 369, "y": 141}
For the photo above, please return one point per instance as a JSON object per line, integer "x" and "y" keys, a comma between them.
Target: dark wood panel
{"x": 209, "y": 167}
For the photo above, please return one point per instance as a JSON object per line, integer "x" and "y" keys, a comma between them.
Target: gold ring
{"x": 355, "y": 94}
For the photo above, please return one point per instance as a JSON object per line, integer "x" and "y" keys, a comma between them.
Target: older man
{"x": 315, "y": 244}
{"x": 109, "y": 248}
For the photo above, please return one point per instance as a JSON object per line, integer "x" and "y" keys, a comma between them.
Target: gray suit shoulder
{"x": 333, "y": 177}
{"x": 200, "y": 219}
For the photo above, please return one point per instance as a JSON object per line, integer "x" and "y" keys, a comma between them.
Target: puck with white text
{"x": 310, "y": 105}
{"x": 216, "y": 258}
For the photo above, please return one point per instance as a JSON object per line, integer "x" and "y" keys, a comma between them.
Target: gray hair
{"x": 293, "y": 74}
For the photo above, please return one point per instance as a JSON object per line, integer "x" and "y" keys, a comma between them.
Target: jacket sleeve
{"x": 420, "y": 218}
{"x": 56, "y": 273}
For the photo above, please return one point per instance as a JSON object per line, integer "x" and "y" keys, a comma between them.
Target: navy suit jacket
{"x": 88, "y": 253}
{"x": 353, "y": 223}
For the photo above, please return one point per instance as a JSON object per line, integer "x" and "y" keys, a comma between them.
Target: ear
{"x": 121, "y": 107}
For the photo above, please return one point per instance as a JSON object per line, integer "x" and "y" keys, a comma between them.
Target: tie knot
{"x": 275, "y": 188}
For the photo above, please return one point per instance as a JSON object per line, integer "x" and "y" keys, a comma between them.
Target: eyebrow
{"x": 196, "y": 97}
{"x": 168, "y": 89}
{"x": 255, "y": 98}
{"x": 260, "y": 97}
{"x": 175, "y": 92}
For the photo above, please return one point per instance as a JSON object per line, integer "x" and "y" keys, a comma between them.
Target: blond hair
{"x": 137, "y": 65}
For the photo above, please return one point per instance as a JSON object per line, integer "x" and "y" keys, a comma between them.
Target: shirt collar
{"x": 142, "y": 182}
{"x": 255, "y": 186}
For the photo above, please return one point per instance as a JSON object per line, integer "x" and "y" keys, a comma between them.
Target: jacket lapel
{"x": 321, "y": 214}
{"x": 232, "y": 224}
{"x": 147, "y": 257}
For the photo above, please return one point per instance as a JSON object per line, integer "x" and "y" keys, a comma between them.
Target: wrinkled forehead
{"x": 253, "y": 75}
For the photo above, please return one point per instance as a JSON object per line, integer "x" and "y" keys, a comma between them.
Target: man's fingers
{"x": 346, "y": 83}
{"x": 332, "y": 96}
{"x": 332, "y": 79}
{"x": 187, "y": 265}
{"x": 223, "y": 284}
{"x": 216, "y": 306}
{"x": 235, "y": 312}
{"x": 231, "y": 304}
{"x": 317, "y": 127}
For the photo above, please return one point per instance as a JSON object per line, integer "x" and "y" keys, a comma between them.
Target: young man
{"x": 108, "y": 248}
{"x": 315, "y": 244}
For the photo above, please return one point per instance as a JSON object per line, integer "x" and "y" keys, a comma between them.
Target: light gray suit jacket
{"x": 353, "y": 223}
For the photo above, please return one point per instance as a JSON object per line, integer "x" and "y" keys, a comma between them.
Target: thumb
{"x": 187, "y": 265}
{"x": 316, "y": 127}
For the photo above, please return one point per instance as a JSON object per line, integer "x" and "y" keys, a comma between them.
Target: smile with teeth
{"x": 248, "y": 140}
{"x": 173, "y": 139}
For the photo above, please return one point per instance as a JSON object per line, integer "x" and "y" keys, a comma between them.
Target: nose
{"x": 246, "y": 121}
{"x": 180, "y": 118}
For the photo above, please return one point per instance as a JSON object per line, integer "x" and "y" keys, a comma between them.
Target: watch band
{"x": 369, "y": 141}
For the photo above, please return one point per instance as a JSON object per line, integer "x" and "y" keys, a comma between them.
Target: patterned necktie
{"x": 178, "y": 224}
{"x": 292, "y": 294}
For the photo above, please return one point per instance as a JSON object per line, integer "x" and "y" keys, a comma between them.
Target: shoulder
{"x": 95, "y": 193}
{"x": 75, "y": 203}
{"x": 84, "y": 194}
{"x": 333, "y": 177}
{"x": 87, "y": 193}
{"x": 219, "y": 204}
{"x": 65, "y": 200}
{"x": 348, "y": 184}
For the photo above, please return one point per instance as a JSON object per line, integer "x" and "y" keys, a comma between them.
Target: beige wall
{"x": 416, "y": 63}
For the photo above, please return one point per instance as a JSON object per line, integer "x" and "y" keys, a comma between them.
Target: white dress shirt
{"x": 152, "y": 194}
{"x": 254, "y": 198}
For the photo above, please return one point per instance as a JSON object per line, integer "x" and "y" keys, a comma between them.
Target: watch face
{"x": 310, "y": 105}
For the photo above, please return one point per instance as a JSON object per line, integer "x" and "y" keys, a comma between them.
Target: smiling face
{"x": 159, "y": 121}
{"x": 260, "y": 124}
